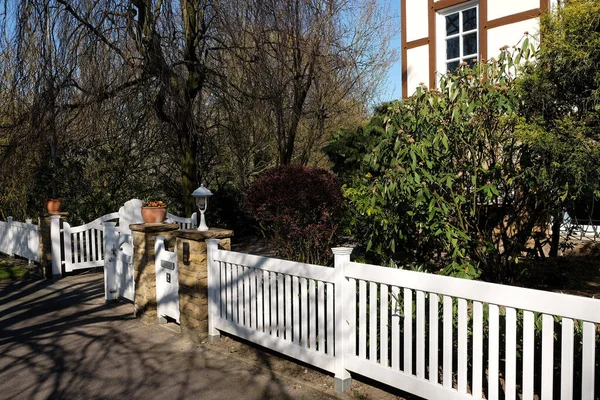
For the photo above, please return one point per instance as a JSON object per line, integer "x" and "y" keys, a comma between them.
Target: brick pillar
{"x": 46, "y": 242}
{"x": 193, "y": 279}
{"x": 144, "y": 270}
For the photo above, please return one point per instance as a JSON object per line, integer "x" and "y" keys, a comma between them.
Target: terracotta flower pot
{"x": 53, "y": 206}
{"x": 154, "y": 215}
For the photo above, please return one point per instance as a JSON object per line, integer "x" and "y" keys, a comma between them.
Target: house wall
{"x": 501, "y": 22}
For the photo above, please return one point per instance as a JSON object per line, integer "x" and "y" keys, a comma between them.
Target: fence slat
{"x": 99, "y": 247}
{"x": 383, "y": 325}
{"x": 589, "y": 361}
{"x": 447, "y": 375}
{"x": 547, "y": 356}
{"x": 477, "y": 348}
{"x": 408, "y": 335}
{"x": 511, "y": 353}
{"x": 362, "y": 319}
{"x": 267, "y": 302}
{"x": 433, "y": 338}
{"x": 395, "y": 328}
{"x": 88, "y": 244}
{"x": 235, "y": 278}
{"x": 289, "y": 297}
{"x": 260, "y": 308}
{"x": 528, "y": 354}
{"x": 93, "y": 245}
{"x": 222, "y": 289}
{"x": 312, "y": 310}
{"x": 304, "y": 312}
{"x": 373, "y": 321}
{"x": 229, "y": 273}
{"x": 280, "y": 305}
{"x": 246, "y": 288}
{"x": 462, "y": 346}
{"x": 253, "y": 312}
{"x": 331, "y": 320}
{"x": 273, "y": 306}
{"x": 296, "y": 309}
{"x": 321, "y": 316}
{"x": 494, "y": 334}
{"x": 420, "y": 335}
{"x": 566, "y": 360}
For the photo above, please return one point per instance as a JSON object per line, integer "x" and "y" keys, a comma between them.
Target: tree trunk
{"x": 555, "y": 243}
{"x": 188, "y": 172}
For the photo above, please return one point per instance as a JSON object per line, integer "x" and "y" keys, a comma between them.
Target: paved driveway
{"x": 58, "y": 339}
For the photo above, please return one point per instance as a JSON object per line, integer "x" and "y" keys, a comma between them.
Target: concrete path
{"x": 58, "y": 339}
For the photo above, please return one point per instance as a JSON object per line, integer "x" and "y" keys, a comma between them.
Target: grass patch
{"x": 14, "y": 269}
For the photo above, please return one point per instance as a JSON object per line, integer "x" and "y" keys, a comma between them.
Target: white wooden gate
{"x": 105, "y": 242}
{"x": 167, "y": 280}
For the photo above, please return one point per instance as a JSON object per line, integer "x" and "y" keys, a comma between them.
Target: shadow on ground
{"x": 59, "y": 339}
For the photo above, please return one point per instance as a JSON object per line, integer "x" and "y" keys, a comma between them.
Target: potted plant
{"x": 53, "y": 205}
{"x": 154, "y": 212}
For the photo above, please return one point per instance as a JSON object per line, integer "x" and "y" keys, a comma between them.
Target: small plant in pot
{"x": 53, "y": 205}
{"x": 154, "y": 212}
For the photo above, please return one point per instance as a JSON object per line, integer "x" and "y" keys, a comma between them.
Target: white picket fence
{"x": 20, "y": 238}
{"x": 433, "y": 336}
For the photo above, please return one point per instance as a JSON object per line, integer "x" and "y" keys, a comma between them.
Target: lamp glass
{"x": 201, "y": 202}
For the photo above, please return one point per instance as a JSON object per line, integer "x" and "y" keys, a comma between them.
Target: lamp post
{"x": 202, "y": 194}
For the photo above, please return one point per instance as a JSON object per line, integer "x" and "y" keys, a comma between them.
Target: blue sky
{"x": 393, "y": 86}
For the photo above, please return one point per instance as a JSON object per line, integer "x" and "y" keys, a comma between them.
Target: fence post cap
{"x": 213, "y": 242}
{"x": 54, "y": 216}
{"x": 342, "y": 250}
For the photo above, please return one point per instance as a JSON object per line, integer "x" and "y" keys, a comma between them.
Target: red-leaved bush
{"x": 299, "y": 208}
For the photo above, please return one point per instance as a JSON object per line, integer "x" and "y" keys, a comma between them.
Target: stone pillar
{"x": 193, "y": 279}
{"x": 46, "y": 242}
{"x": 144, "y": 270}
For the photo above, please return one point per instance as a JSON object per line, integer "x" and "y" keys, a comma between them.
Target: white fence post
{"x": 212, "y": 245}
{"x": 66, "y": 230}
{"x": 110, "y": 262}
{"x": 342, "y": 379}
{"x": 55, "y": 245}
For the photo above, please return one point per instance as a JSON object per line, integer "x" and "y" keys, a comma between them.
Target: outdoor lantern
{"x": 202, "y": 194}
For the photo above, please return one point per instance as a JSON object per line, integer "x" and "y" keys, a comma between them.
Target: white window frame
{"x": 440, "y": 21}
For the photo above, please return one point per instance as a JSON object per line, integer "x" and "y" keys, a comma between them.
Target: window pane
{"x": 451, "y": 24}
{"x": 452, "y": 48}
{"x": 470, "y": 44}
{"x": 452, "y": 66}
{"x": 469, "y": 19}
{"x": 471, "y": 61}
